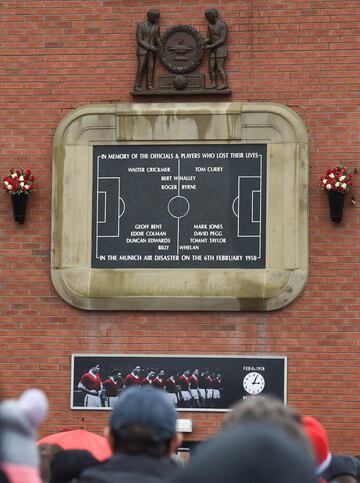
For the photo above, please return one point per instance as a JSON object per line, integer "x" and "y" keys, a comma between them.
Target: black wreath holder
{"x": 19, "y": 202}
{"x": 336, "y": 205}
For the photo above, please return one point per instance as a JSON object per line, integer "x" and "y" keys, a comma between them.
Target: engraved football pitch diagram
{"x": 180, "y": 207}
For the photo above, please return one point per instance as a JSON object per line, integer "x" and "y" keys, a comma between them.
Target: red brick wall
{"x": 57, "y": 55}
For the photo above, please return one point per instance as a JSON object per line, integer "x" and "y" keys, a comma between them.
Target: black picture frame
{"x": 264, "y": 376}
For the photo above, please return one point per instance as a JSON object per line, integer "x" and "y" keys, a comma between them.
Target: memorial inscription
{"x": 179, "y": 206}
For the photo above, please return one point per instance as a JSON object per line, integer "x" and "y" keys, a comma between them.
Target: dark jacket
{"x": 342, "y": 465}
{"x": 129, "y": 469}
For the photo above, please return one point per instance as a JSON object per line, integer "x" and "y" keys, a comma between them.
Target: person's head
{"x": 153, "y": 15}
{"x": 342, "y": 469}
{"x": 19, "y": 420}
{"x": 151, "y": 374}
{"x": 95, "y": 369}
{"x": 143, "y": 421}
{"x": 187, "y": 372}
{"x": 161, "y": 374}
{"x": 196, "y": 372}
{"x": 68, "y": 464}
{"x": 211, "y": 15}
{"x": 47, "y": 453}
{"x": 136, "y": 370}
{"x": 116, "y": 374}
{"x": 252, "y": 453}
{"x": 268, "y": 410}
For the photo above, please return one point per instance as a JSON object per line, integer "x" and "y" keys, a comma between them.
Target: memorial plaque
{"x": 179, "y": 206}
{"x": 222, "y": 380}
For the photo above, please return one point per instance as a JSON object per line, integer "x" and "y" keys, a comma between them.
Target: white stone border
{"x": 271, "y": 288}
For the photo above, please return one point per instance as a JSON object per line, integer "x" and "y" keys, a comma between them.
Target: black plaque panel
{"x": 179, "y": 206}
{"x": 240, "y": 378}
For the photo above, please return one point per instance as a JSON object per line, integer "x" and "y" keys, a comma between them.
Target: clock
{"x": 254, "y": 383}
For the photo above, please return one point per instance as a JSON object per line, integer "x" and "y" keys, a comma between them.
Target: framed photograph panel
{"x": 192, "y": 383}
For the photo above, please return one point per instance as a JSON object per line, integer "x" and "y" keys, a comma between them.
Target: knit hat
{"x": 145, "y": 406}
{"x": 18, "y": 422}
{"x": 319, "y": 440}
{"x": 34, "y": 404}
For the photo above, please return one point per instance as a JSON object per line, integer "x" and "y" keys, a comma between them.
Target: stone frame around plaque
{"x": 269, "y": 288}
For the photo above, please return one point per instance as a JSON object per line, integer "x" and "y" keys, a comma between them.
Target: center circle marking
{"x": 178, "y": 206}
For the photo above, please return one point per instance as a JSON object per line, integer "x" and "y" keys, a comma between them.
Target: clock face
{"x": 254, "y": 383}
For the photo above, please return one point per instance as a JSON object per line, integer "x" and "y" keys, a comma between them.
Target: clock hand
{"x": 254, "y": 381}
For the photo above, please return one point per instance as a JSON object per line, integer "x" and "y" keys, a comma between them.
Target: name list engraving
{"x": 179, "y": 206}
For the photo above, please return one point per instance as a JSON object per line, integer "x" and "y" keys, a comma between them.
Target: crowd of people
{"x": 261, "y": 441}
{"x": 185, "y": 389}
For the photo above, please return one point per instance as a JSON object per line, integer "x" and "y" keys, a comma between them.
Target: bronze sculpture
{"x": 181, "y": 49}
{"x": 148, "y": 38}
{"x": 215, "y": 43}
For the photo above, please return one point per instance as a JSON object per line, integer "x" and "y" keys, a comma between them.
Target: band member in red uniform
{"x": 90, "y": 384}
{"x": 171, "y": 389}
{"x": 194, "y": 387}
{"x": 217, "y": 385}
{"x": 202, "y": 387}
{"x": 112, "y": 387}
{"x": 209, "y": 389}
{"x": 149, "y": 378}
{"x": 133, "y": 378}
{"x": 159, "y": 381}
{"x": 184, "y": 384}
